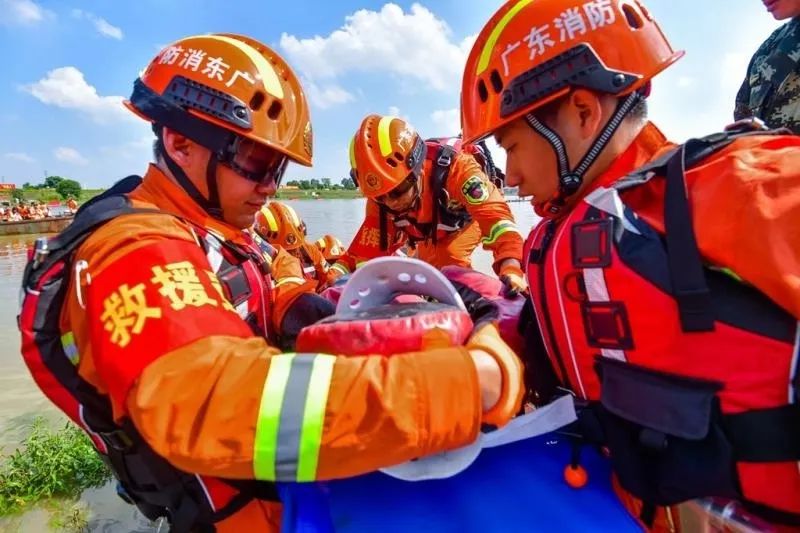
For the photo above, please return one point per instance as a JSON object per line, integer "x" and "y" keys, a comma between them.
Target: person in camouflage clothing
{"x": 771, "y": 90}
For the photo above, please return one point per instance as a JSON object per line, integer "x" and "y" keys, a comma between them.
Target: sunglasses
{"x": 255, "y": 163}
{"x": 399, "y": 191}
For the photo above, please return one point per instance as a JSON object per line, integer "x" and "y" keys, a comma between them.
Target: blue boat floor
{"x": 518, "y": 487}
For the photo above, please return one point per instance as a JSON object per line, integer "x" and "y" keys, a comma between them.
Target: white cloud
{"x": 102, "y": 26}
{"x": 22, "y": 12}
{"x": 138, "y": 149}
{"x": 70, "y": 155}
{"x": 448, "y": 121}
{"x": 327, "y": 96}
{"x": 394, "y": 111}
{"x": 19, "y": 156}
{"x": 415, "y": 46}
{"x": 66, "y": 87}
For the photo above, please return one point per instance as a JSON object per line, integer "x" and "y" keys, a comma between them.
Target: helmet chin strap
{"x": 210, "y": 205}
{"x": 570, "y": 180}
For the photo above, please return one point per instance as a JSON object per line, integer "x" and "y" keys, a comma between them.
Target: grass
{"x": 50, "y": 464}
{"x": 70, "y": 518}
{"x": 46, "y": 195}
{"x": 322, "y": 194}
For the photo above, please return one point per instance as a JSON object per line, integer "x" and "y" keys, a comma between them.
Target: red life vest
{"x": 188, "y": 501}
{"x": 692, "y": 373}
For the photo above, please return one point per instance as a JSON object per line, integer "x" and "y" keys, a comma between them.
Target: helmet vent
{"x": 274, "y": 110}
{"x": 497, "y": 82}
{"x": 398, "y": 156}
{"x": 257, "y": 101}
{"x": 633, "y": 17}
{"x": 391, "y": 162}
{"x": 482, "y": 92}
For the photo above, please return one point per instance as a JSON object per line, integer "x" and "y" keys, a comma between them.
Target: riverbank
{"x": 47, "y": 195}
{"x": 317, "y": 194}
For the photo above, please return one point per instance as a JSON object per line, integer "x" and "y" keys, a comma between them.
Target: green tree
{"x": 51, "y": 182}
{"x": 17, "y": 194}
{"x": 66, "y": 188}
{"x": 326, "y": 183}
{"x": 348, "y": 184}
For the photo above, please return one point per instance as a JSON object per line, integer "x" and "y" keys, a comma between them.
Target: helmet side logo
{"x": 373, "y": 182}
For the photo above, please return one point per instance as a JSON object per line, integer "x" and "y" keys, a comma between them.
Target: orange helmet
{"x": 532, "y": 52}
{"x": 384, "y": 152}
{"x": 225, "y": 92}
{"x": 331, "y": 247}
{"x": 279, "y": 225}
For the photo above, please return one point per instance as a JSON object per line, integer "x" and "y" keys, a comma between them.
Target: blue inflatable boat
{"x": 517, "y": 487}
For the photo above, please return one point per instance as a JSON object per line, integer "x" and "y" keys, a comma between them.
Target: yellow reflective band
{"x": 341, "y": 268}
{"x": 70, "y": 349}
{"x": 321, "y": 243}
{"x": 500, "y": 228}
{"x": 289, "y": 279}
{"x": 269, "y": 413}
{"x": 488, "y": 48}
{"x": 267, "y": 74}
{"x": 272, "y": 223}
{"x": 314, "y": 417}
{"x": 728, "y": 272}
{"x": 293, "y": 214}
{"x": 353, "y": 152}
{"x": 384, "y": 141}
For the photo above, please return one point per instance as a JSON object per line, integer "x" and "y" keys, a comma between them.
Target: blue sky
{"x": 68, "y": 63}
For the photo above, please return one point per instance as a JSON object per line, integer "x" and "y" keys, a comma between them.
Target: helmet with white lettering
{"x": 532, "y": 52}
{"x": 224, "y": 91}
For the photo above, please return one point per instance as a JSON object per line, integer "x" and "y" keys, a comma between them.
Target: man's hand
{"x": 500, "y": 374}
{"x": 513, "y": 278}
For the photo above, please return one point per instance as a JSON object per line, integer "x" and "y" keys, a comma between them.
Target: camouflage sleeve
{"x": 741, "y": 108}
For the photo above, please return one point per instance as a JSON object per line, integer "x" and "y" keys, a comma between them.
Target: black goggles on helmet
{"x": 255, "y": 162}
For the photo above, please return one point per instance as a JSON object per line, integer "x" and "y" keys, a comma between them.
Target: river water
{"x": 21, "y": 401}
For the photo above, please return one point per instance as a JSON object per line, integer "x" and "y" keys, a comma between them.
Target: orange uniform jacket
{"x": 315, "y": 267}
{"x": 467, "y": 187}
{"x": 208, "y": 395}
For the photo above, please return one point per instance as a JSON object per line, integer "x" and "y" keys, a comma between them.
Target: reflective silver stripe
{"x": 608, "y": 200}
{"x": 290, "y": 424}
{"x": 499, "y": 228}
{"x": 339, "y": 267}
{"x": 290, "y": 279}
{"x": 213, "y": 252}
{"x": 70, "y": 349}
{"x": 597, "y": 291}
{"x": 290, "y": 421}
{"x": 793, "y": 369}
